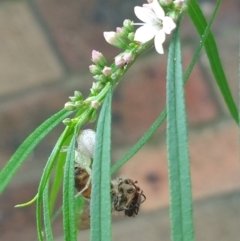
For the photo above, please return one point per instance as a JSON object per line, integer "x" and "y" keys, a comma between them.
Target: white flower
{"x": 156, "y": 24}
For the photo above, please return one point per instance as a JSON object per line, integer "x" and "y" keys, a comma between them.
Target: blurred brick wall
{"x": 45, "y": 52}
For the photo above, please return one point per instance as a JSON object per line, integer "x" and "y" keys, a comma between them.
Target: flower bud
{"x": 67, "y": 121}
{"x": 78, "y": 95}
{"x": 98, "y": 58}
{"x": 72, "y": 98}
{"x": 107, "y": 71}
{"x": 79, "y": 103}
{"x": 128, "y": 25}
{"x": 115, "y": 40}
{"x": 178, "y": 3}
{"x": 96, "y": 86}
{"x": 122, "y": 33}
{"x": 70, "y": 106}
{"x": 128, "y": 57}
{"x": 111, "y": 37}
{"x": 165, "y": 2}
{"x": 116, "y": 74}
{"x": 131, "y": 36}
{"x": 95, "y": 69}
{"x": 180, "y": 6}
{"x": 95, "y": 104}
{"x": 119, "y": 61}
{"x": 173, "y": 15}
{"x": 101, "y": 78}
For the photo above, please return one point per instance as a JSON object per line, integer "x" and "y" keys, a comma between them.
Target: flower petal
{"x": 158, "y": 41}
{"x": 168, "y": 25}
{"x": 144, "y": 14}
{"x": 158, "y": 9}
{"x": 144, "y": 33}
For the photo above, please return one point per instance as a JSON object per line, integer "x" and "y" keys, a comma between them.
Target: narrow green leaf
{"x": 46, "y": 215}
{"x": 45, "y": 177}
{"x": 177, "y": 145}
{"x": 200, "y": 23}
{"x": 148, "y": 134}
{"x": 57, "y": 181}
{"x": 69, "y": 211}
{"x": 27, "y": 146}
{"x": 100, "y": 205}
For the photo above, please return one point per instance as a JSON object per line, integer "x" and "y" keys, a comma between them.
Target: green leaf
{"x": 148, "y": 134}
{"x": 46, "y": 215}
{"x": 200, "y": 23}
{"x": 45, "y": 177}
{"x": 177, "y": 146}
{"x": 100, "y": 206}
{"x": 69, "y": 212}
{"x": 57, "y": 181}
{"x": 27, "y": 147}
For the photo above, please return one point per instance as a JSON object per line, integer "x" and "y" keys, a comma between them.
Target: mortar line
{"x": 48, "y": 34}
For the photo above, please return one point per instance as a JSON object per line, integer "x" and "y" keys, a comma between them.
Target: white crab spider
{"x": 84, "y": 154}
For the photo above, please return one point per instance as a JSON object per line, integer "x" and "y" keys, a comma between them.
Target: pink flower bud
{"x": 119, "y": 30}
{"x": 128, "y": 57}
{"x": 107, "y": 71}
{"x": 95, "y": 104}
{"x": 98, "y": 58}
{"x": 119, "y": 61}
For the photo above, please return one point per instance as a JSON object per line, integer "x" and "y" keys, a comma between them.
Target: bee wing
{"x": 83, "y": 218}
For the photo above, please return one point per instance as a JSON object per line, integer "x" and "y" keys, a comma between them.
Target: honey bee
{"x": 118, "y": 198}
{"x": 134, "y": 200}
{"x": 126, "y": 196}
{"x": 82, "y": 184}
{"x": 83, "y": 174}
{"x": 82, "y": 178}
